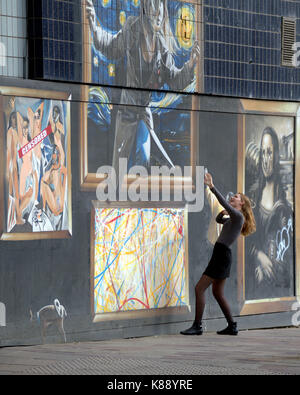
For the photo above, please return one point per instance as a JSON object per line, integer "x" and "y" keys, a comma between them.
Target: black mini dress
{"x": 220, "y": 263}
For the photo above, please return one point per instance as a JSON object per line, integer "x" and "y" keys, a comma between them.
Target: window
{"x": 13, "y": 41}
{"x": 288, "y": 38}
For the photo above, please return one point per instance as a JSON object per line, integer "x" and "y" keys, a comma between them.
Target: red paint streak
{"x": 180, "y": 227}
{"x": 137, "y": 300}
{"x": 114, "y": 219}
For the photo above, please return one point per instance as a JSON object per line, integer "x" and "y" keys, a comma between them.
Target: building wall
{"x": 243, "y": 49}
{"x": 13, "y": 38}
{"x": 52, "y": 247}
{"x": 57, "y": 270}
{"x": 240, "y": 44}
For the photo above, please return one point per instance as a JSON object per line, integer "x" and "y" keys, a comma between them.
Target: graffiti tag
{"x": 283, "y": 240}
{"x": 61, "y": 311}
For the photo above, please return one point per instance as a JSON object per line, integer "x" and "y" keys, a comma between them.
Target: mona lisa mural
{"x": 267, "y": 135}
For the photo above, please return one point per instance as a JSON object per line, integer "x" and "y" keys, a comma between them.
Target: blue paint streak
{"x": 179, "y": 248}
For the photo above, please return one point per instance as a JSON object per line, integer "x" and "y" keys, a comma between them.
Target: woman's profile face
{"x": 236, "y": 201}
{"x": 267, "y": 148}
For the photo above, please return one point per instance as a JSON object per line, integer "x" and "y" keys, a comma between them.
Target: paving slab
{"x": 252, "y": 352}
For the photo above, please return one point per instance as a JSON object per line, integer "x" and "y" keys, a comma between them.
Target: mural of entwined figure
{"x": 270, "y": 251}
{"x": 36, "y": 175}
{"x": 147, "y": 43}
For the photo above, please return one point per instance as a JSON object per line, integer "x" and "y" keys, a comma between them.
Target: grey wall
{"x": 34, "y": 273}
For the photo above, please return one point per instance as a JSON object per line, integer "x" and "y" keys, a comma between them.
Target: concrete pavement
{"x": 252, "y": 352}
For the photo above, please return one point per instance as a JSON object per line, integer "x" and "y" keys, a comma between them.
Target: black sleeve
{"x": 220, "y": 218}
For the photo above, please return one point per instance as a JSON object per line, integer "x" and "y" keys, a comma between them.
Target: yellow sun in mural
{"x": 105, "y": 3}
{"x": 96, "y": 61}
{"x": 111, "y": 70}
{"x": 122, "y": 18}
{"x": 185, "y": 28}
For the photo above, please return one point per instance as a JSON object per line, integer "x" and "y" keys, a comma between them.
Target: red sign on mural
{"x": 35, "y": 141}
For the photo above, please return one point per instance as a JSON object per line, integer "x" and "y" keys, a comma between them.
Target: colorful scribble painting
{"x": 139, "y": 259}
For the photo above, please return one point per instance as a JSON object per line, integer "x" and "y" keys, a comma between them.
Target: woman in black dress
{"x": 239, "y": 220}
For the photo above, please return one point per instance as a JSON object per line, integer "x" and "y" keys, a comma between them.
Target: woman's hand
{"x": 208, "y": 180}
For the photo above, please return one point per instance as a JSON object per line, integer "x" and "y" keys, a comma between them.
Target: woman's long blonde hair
{"x": 249, "y": 226}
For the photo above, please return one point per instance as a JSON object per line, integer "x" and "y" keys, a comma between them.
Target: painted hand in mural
{"x": 91, "y": 15}
{"x": 195, "y": 54}
{"x": 265, "y": 268}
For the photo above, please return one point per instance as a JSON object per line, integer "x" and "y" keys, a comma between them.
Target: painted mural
{"x": 167, "y": 142}
{"x": 148, "y": 44}
{"x": 151, "y": 45}
{"x": 269, "y": 182}
{"x": 139, "y": 259}
{"x": 52, "y": 315}
{"x": 36, "y": 135}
